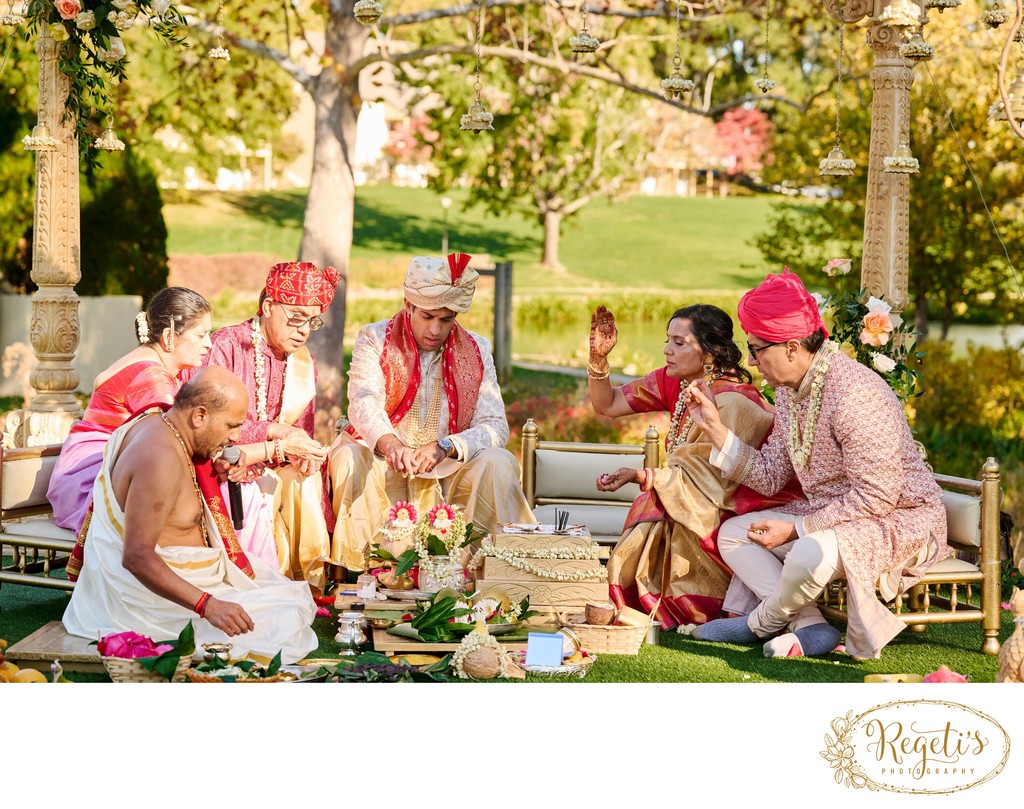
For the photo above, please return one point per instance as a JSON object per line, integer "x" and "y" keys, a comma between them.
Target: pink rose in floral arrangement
{"x": 131, "y": 645}
{"x": 68, "y": 9}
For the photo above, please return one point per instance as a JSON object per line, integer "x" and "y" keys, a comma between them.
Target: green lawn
{"x": 644, "y": 243}
{"x": 676, "y": 660}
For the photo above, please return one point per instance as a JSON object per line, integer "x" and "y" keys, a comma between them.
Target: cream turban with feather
{"x": 434, "y": 283}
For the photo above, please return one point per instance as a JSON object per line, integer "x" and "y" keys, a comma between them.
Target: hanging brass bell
{"x": 40, "y": 140}
{"x": 478, "y": 119}
{"x": 837, "y": 164}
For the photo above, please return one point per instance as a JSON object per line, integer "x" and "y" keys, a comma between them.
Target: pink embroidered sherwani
{"x": 299, "y": 528}
{"x": 866, "y": 481}
{"x": 483, "y": 477}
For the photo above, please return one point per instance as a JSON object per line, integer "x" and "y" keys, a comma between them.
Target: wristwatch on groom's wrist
{"x": 447, "y": 445}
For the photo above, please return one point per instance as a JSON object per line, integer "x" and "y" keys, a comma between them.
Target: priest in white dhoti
{"x": 161, "y": 549}
{"x": 427, "y": 421}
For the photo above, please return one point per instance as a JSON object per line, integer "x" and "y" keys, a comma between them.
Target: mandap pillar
{"x": 56, "y": 268}
{"x": 884, "y": 265}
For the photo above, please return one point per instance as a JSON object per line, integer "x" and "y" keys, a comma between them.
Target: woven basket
{"x": 194, "y": 676}
{"x": 127, "y": 670}
{"x": 612, "y": 640}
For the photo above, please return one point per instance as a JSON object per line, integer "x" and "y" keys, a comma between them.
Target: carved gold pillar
{"x": 884, "y": 267}
{"x": 56, "y": 268}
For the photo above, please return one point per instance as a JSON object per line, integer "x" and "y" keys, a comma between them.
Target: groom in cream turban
{"x": 427, "y": 419}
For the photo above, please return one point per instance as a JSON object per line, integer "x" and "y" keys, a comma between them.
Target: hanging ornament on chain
{"x": 583, "y": 42}
{"x": 11, "y": 17}
{"x": 368, "y": 12}
{"x": 837, "y": 164}
{"x": 994, "y": 17}
{"x": 764, "y": 84}
{"x": 478, "y": 119}
{"x": 40, "y": 140}
{"x": 676, "y": 85}
{"x": 108, "y": 141}
{"x": 902, "y": 161}
{"x": 219, "y": 52}
{"x": 917, "y": 50}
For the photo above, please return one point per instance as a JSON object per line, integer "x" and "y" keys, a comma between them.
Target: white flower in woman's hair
{"x": 142, "y": 325}
{"x": 883, "y": 363}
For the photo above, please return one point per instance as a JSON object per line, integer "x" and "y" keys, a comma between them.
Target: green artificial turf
{"x": 677, "y": 659}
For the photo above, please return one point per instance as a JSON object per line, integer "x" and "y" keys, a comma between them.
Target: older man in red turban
{"x": 873, "y": 513}
{"x": 268, "y": 353}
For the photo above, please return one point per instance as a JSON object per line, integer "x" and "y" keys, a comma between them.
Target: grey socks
{"x": 809, "y": 641}
{"x": 725, "y": 630}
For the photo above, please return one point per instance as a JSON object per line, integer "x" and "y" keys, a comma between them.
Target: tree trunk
{"x": 330, "y": 206}
{"x": 552, "y": 231}
{"x": 921, "y": 315}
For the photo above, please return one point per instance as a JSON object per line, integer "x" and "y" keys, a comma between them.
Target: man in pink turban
{"x": 268, "y": 353}
{"x": 427, "y": 418}
{"x": 873, "y": 513}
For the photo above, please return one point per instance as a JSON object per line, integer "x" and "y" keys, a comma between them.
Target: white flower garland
{"x": 679, "y": 428}
{"x": 446, "y": 571}
{"x": 800, "y": 447}
{"x": 455, "y": 533}
{"x": 261, "y": 371}
{"x": 518, "y": 560}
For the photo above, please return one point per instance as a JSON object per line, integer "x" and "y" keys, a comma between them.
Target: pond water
{"x": 640, "y": 343}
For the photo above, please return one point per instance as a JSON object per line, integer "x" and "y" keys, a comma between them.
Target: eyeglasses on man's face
{"x": 297, "y": 321}
{"x": 753, "y": 351}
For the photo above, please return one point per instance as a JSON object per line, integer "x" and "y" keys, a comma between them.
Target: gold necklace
{"x": 195, "y": 480}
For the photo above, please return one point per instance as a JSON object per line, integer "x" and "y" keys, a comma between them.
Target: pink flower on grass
{"x": 68, "y": 9}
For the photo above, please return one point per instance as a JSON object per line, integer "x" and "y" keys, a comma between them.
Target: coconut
{"x": 482, "y": 664}
{"x": 600, "y": 613}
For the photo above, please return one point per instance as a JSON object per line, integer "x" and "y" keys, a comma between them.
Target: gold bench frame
{"x": 531, "y": 443}
{"x": 31, "y": 556}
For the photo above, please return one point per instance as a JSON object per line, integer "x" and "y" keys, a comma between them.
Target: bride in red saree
{"x": 668, "y": 550}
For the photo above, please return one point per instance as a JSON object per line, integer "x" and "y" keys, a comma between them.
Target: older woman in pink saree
{"x": 668, "y": 554}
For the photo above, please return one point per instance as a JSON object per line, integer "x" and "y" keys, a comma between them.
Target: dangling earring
{"x": 170, "y": 340}
{"x": 709, "y": 370}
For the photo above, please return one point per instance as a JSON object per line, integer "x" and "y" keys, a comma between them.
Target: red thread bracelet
{"x": 200, "y": 607}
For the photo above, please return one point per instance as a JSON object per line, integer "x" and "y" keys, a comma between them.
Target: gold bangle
{"x": 593, "y": 373}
